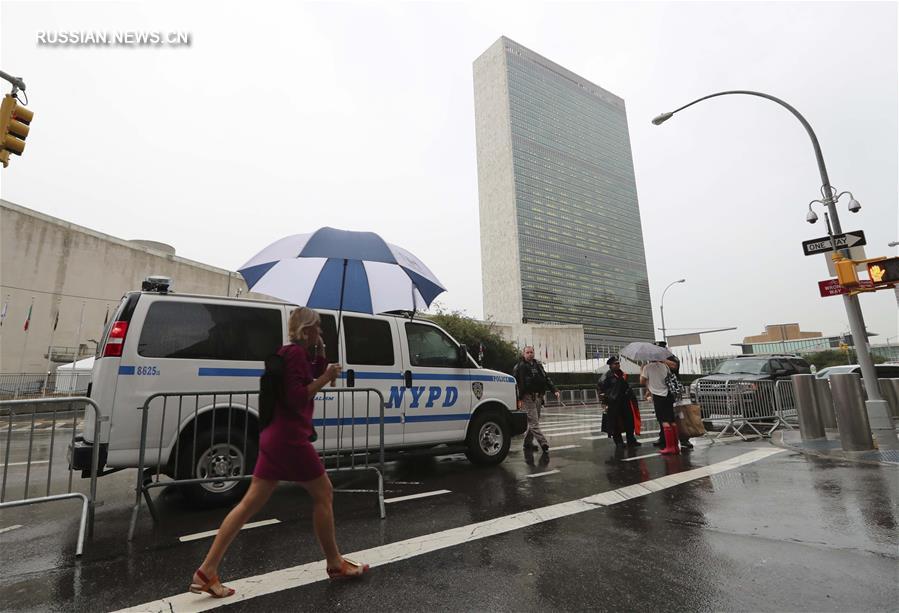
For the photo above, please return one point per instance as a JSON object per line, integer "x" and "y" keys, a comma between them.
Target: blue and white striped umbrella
{"x": 342, "y": 270}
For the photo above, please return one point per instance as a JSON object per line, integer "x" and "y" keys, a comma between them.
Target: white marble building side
{"x": 501, "y": 274}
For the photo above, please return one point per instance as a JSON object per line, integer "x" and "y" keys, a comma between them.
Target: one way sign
{"x": 843, "y": 241}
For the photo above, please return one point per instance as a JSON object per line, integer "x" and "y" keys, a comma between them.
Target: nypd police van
{"x": 435, "y": 395}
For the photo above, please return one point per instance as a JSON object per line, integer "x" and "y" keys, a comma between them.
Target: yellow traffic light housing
{"x": 884, "y": 272}
{"x": 14, "y": 122}
{"x": 846, "y": 274}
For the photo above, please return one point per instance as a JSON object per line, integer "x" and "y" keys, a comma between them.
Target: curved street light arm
{"x": 822, "y": 169}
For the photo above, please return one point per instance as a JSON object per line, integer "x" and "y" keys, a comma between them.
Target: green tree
{"x": 499, "y": 354}
{"x": 835, "y": 357}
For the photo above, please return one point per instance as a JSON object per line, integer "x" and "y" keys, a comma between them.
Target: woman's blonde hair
{"x": 300, "y": 319}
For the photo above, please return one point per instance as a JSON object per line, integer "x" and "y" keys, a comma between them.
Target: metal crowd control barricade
{"x": 785, "y": 399}
{"x": 19, "y": 423}
{"x": 349, "y": 432}
{"x": 744, "y": 405}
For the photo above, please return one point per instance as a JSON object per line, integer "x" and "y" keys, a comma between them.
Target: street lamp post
{"x": 662, "y": 308}
{"x": 877, "y": 408}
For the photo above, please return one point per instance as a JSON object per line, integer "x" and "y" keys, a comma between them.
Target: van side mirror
{"x": 462, "y": 356}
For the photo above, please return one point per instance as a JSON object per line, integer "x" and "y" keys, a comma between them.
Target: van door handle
{"x": 407, "y": 378}
{"x": 351, "y": 378}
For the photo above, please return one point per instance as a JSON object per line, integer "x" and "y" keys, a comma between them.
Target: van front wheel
{"x": 217, "y": 456}
{"x": 489, "y": 438}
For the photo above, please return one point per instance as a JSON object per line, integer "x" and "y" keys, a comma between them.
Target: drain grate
{"x": 890, "y": 455}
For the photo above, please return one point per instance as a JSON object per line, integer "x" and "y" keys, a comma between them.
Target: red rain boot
{"x": 671, "y": 447}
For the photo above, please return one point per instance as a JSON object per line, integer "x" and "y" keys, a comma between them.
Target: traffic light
{"x": 846, "y": 274}
{"x": 14, "y": 121}
{"x": 884, "y": 272}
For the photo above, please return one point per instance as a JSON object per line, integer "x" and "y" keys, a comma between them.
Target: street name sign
{"x": 832, "y": 287}
{"x": 843, "y": 241}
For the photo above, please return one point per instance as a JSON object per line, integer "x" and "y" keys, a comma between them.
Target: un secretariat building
{"x": 561, "y": 240}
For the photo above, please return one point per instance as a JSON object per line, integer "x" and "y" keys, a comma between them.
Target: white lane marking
{"x": 202, "y": 535}
{"x": 593, "y": 438}
{"x": 579, "y": 426}
{"x": 648, "y": 455}
{"x": 563, "y": 447}
{"x": 549, "y": 472}
{"x": 313, "y": 572}
{"x": 405, "y": 483}
{"x": 10, "y": 528}
{"x": 412, "y": 496}
{"x": 25, "y": 463}
{"x": 574, "y": 426}
{"x": 572, "y": 433}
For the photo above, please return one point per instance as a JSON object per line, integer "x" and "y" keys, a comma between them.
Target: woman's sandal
{"x": 348, "y": 569}
{"x": 212, "y": 586}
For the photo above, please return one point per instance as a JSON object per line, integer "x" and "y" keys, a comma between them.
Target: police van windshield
{"x": 744, "y": 366}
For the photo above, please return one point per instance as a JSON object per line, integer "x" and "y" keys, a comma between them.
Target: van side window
{"x": 195, "y": 331}
{"x": 428, "y": 346}
{"x": 368, "y": 341}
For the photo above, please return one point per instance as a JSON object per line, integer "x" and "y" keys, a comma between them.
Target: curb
{"x": 822, "y": 455}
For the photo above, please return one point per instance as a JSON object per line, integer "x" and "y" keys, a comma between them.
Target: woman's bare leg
{"x": 323, "y": 518}
{"x": 255, "y": 498}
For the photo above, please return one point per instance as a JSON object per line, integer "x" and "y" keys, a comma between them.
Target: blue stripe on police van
{"x": 126, "y": 370}
{"x": 456, "y": 417}
{"x": 431, "y": 377}
{"x": 229, "y": 372}
{"x": 375, "y": 375}
{"x": 356, "y": 421}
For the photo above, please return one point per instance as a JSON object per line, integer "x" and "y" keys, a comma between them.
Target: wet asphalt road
{"x": 781, "y": 533}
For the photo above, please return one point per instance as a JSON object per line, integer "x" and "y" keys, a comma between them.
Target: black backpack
{"x": 271, "y": 386}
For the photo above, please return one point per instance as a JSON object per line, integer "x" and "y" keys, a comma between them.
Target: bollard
{"x": 849, "y": 405}
{"x": 825, "y": 404}
{"x": 894, "y": 384}
{"x": 889, "y": 388}
{"x": 811, "y": 427}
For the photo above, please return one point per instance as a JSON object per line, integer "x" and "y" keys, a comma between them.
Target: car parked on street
{"x": 884, "y": 371}
{"x": 744, "y": 384}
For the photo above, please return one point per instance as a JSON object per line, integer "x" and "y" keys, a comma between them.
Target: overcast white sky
{"x": 282, "y": 117}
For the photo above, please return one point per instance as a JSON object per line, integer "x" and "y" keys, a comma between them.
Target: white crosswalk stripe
{"x": 312, "y": 572}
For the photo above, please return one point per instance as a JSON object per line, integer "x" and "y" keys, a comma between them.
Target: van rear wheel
{"x": 489, "y": 438}
{"x": 216, "y": 456}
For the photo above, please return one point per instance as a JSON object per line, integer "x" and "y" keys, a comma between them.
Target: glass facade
{"x": 580, "y": 238}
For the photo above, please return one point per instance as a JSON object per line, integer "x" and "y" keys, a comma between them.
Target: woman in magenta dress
{"x": 286, "y": 454}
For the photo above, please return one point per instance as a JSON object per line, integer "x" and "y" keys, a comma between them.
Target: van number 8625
{"x": 151, "y": 371}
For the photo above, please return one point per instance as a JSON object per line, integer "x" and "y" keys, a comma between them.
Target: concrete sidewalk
{"x": 831, "y": 448}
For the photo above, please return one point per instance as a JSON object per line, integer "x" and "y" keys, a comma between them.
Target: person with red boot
{"x": 653, "y": 378}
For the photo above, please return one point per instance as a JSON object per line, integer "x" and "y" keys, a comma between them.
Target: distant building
{"x": 561, "y": 239}
{"x": 56, "y": 270}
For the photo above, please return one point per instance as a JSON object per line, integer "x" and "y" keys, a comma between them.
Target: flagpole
{"x": 78, "y": 340}
{"x": 50, "y": 349}
{"x": 24, "y": 345}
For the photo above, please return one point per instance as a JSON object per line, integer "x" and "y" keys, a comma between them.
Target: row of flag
{"x": 27, "y": 324}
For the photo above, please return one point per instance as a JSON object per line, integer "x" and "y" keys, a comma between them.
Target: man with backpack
{"x": 533, "y": 383}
